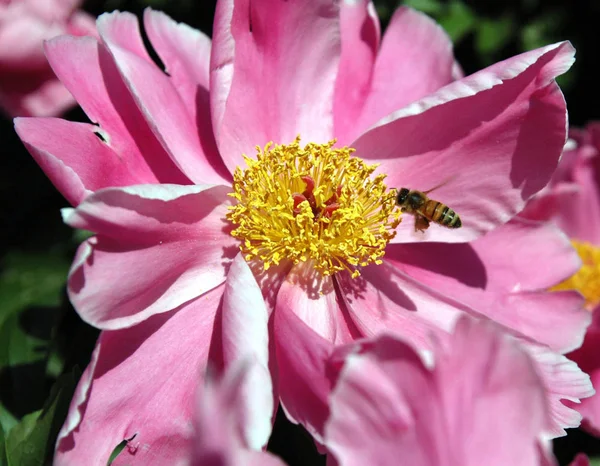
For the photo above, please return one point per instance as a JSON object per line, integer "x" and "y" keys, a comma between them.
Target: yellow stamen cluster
{"x": 344, "y": 221}
{"x": 587, "y": 279}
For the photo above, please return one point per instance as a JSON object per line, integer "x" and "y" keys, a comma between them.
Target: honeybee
{"x": 426, "y": 210}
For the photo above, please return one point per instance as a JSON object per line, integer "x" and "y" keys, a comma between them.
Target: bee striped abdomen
{"x": 441, "y": 214}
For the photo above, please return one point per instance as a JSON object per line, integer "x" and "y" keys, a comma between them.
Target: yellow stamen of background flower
{"x": 587, "y": 278}
{"x": 312, "y": 203}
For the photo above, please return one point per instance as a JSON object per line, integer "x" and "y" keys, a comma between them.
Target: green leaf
{"x": 432, "y": 7}
{"x": 542, "y": 30}
{"x": 31, "y": 442}
{"x": 7, "y": 420}
{"x": 3, "y": 461}
{"x": 79, "y": 236}
{"x": 118, "y": 449}
{"x": 594, "y": 461}
{"x": 492, "y": 35}
{"x": 31, "y": 279}
{"x": 458, "y": 20}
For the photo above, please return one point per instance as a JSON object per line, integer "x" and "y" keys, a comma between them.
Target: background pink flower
{"x": 27, "y": 84}
{"x": 572, "y": 201}
{"x": 572, "y": 198}
{"x": 163, "y": 276}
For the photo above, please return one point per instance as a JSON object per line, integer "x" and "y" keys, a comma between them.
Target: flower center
{"x": 587, "y": 278}
{"x": 312, "y": 203}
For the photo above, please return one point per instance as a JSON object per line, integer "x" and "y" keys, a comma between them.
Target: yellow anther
{"x": 312, "y": 203}
{"x": 587, "y": 278}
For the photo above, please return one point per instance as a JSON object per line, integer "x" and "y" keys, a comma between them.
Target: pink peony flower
{"x": 572, "y": 201}
{"x": 164, "y": 276}
{"x": 480, "y": 401}
{"x": 27, "y": 84}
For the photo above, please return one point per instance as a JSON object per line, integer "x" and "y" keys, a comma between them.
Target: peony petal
{"x": 587, "y": 358}
{"x": 370, "y": 417}
{"x": 415, "y": 60}
{"x": 28, "y": 87}
{"x": 549, "y": 202}
{"x": 505, "y": 276}
{"x": 246, "y": 336}
{"x": 79, "y": 400}
{"x": 143, "y": 385}
{"x": 153, "y": 92}
{"x": 581, "y": 220}
{"x": 312, "y": 298}
{"x": 82, "y": 24}
{"x": 360, "y": 36}
{"x": 386, "y": 405}
{"x": 564, "y": 381}
{"x": 385, "y": 298}
{"x": 74, "y": 156}
{"x": 221, "y": 415}
{"x": 186, "y": 55}
{"x": 502, "y": 149}
{"x": 580, "y": 460}
{"x": 178, "y": 232}
{"x": 21, "y": 37}
{"x": 33, "y": 94}
{"x": 106, "y": 101}
{"x": 301, "y": 361}
{"x": 287, "y": 53}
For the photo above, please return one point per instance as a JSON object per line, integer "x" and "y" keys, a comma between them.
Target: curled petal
{"x": 487, "y": 162}
{"x": 177, "y": 233}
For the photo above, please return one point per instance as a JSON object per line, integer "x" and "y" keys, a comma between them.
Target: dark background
{"x": 44, "y": 346}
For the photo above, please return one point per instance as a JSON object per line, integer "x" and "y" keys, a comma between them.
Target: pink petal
{"x": 79, "y": 400}
{"x": 39, "y": 94}
{"x": 287, "y": 53}
{"x": 580, "y": 460}
{"x": 505, "y": 276}
{"x": 301, "y": 361}
{"x": 245, "y": 335}
{"x": 313, "y": 299}
{"x": 360, "y": 36}
{"x": 21, "y": 38}
{"x": 82, "y": 24}
{"x": 386, "y": 299}
{"x": 502, "y": 149}
{"x": 550, "y": 201}
{"x": 572, "y": 199}
{"x": 74, "y": 156}
{"x": 581, "y": 219}
{"x": 159, "y": 102}
{"x": 177, "y": 233}
{"x": 415, "y": 60}
{"x": 186, "y": 55}
{"x": 143, "y": 384}
{"x": 28, "y": 87}
{"x": 587, "y": 358}
{"x": 106, "y": 101}
{"x": 371, "y": 418}
{"x": 564, "y": 382}
{"x": 220, "y": 417}
{"x": 386, "y": 405}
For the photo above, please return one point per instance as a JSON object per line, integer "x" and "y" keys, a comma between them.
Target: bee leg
{"x": 421, "y": 223}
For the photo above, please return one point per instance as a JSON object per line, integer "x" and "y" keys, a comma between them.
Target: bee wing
{"x": 443, "y": 183}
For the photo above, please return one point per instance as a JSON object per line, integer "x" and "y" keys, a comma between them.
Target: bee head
{"x": 402, "y": 196}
